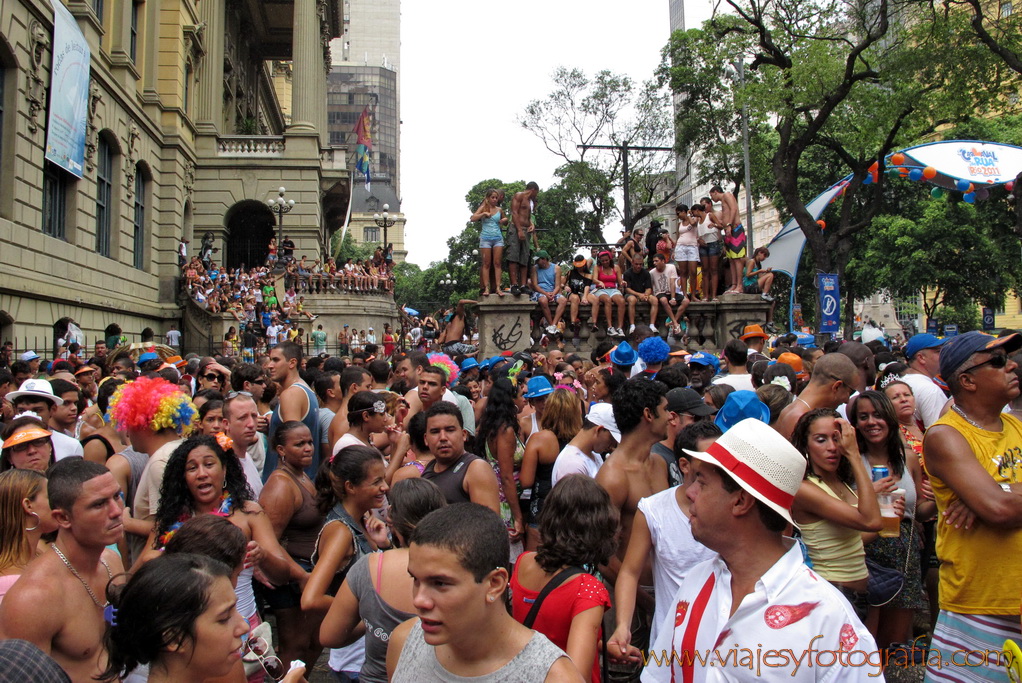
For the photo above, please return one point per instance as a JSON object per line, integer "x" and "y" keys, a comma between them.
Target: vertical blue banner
{"x": 830, "y": 302}
{"x": 69, "y": 93}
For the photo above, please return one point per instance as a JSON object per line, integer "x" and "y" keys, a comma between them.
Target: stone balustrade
{"x": 251, "y": 146}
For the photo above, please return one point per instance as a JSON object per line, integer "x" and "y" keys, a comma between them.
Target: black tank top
{"x": 451, "y": 481}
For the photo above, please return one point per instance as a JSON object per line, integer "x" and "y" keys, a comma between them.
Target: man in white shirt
{"x": 736, "y": 353}
{"x": 923, "y": 354}
{"x": 173, "y": 336}
{"x": 584, "y": 453}
{"x": 241, "y": 415}
{"x": 756, "y": 610}
{"x": 272, "y": 333}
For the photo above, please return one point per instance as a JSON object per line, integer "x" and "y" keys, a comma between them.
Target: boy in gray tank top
{"x": 458, "y": 557}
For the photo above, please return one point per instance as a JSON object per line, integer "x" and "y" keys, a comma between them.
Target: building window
{"x": 54, "y": 201}
{"x": 188, "y": 88}
{"x": 1006, "y": 9}
{"x": 138, "y": 223}
{"x": 371, "y": 234}
{"x": 104, "y": 196}
{"x": 136, "y": 8}
{"x": 97, "y": 7}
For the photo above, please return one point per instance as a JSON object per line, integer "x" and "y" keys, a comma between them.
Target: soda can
{"x": 880, "y": 472}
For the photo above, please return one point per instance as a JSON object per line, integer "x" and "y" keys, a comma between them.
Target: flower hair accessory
{"x": 379, "y": 407}
{"x": 782, "y": 381}
{"x": 513, "y": 373}
{"x": 226, "y": 442}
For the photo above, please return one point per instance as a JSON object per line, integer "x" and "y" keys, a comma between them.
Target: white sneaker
{"x": 631, "y": 328}
{"x": 620, "y": 332}
{"x": 766, "y": 297}
{"x": 653, "y": 329}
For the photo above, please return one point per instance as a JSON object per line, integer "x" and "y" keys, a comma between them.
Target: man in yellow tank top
{"x": 973, "y": 455}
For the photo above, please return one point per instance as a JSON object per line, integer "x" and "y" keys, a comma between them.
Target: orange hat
{"x": 795, "y": 361}
{"x": 752, "y": 332}
{"x": 176, "y": 361}
{"x": 30, "y": 434}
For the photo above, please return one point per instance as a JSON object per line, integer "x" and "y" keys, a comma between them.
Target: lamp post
{"x": 384, "y": 221}
{"x": 448, "y": 283}
{"x": 280, "y": 206}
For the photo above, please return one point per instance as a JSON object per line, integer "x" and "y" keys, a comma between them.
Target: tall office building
{"x": 366, "y": 74}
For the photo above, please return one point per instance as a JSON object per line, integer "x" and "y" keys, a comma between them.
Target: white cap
{"x": 37, "y": 388}
{"x": 29, "y": 356}
{"x": 602, "y": 415}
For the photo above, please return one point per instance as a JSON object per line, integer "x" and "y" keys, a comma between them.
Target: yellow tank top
{"x": 980, "y": 568}
{"x": 836, "y": 551}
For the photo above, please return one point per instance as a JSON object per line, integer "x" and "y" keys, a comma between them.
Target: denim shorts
{"x": 685, "y": 252}
{"x": 491, "y": 242}
{"x": 711, "y": 249}
{"x": 612, "y": 292}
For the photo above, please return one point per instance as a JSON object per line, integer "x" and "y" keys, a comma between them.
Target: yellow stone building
{"x": 186, "y": 137}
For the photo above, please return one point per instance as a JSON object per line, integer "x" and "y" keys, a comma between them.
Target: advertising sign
{"x": 69, "y": 93}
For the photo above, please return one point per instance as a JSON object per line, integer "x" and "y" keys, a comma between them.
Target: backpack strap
{"x": 553, "y": 583}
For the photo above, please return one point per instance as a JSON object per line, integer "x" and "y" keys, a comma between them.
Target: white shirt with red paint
{"x": 795, "y": 626}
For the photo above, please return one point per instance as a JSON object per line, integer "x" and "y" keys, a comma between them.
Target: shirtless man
{"x": 57, "y": 604}
{"x": 632, "y": 473}
{"x": 833, "y": 381}
{"x": 297, "y": 402}
{"x": 432, "y": 387}
{"x": 730, "y": 220}
{"x": 518, "y": 236}
{"x": 450, "y": 338}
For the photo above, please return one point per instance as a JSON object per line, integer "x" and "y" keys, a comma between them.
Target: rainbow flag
{"x": 363, "y": 144}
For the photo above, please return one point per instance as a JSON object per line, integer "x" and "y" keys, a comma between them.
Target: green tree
{"x": 606, "y": 109}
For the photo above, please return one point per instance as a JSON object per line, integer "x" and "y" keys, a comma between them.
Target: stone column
{"x": 504, "y": 324}
{"x": 307, "y": 56}
{"x": 210, "y": 104}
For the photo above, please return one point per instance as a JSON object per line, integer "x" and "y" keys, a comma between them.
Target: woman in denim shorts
{"x": 710, "y": 249}
{"x": 491, "y": 240}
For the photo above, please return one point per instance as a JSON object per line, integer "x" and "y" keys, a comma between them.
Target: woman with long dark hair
{"x": 561, "y": 421}
{"x": 577, "y": 531}
{"x": 881, "y": 445}
{"x": 202, "y": 478}
{"x": 500, "y": 434}
{"x": 830, "y": 513}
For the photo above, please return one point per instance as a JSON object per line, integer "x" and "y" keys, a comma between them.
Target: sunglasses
{"x": 236, "y": 394}
{"x": 272, "y": 665}
{"x": 997, "y": 362}
{"x": 212, "y": 377}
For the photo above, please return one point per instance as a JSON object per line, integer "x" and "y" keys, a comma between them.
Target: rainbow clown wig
{"x": 151, "y": 404}
{"x": 444, "y": 362}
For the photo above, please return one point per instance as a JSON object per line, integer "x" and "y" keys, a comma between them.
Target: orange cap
{"x": 30, "y": 434}
{"x": 795, "y": 361}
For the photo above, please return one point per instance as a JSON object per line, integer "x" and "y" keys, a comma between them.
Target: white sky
{"x": 470, "y": 68}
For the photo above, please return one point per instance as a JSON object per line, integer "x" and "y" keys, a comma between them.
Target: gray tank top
{"x": 451, "y": 481}
{"x": 418, "y": 663}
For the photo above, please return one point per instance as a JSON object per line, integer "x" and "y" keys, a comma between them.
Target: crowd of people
{"x": 250, "y": 293}
{"x": 640, "y": 513}
{"x": 703, "y": 258}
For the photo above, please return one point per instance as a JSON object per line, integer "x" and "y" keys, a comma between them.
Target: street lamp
{"x": 280, "y": 206}
{"x": 384, "y": 221}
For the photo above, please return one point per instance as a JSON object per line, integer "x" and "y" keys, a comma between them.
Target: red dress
{"x": 574, "y": 596}
{"x": 388, "y": 345}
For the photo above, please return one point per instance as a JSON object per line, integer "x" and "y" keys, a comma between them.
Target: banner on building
{"x": 830, "y": 302}
{"x": 363, "y": 144}
{"x": 69, "y": 93}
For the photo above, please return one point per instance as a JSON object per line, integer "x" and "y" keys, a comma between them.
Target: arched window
{"x": 104, "y": 195}
{"x": 139, "y": 218}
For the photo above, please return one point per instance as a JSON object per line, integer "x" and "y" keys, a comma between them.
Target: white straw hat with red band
{"x": 762, "y": 461}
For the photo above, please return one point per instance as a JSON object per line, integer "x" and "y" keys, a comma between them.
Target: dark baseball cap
{"x": 685, "y": 400}
{"x": 958, "y": 349}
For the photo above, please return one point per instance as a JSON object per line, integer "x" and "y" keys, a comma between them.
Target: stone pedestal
{"x": 734, "y": 312}
{"x": 505, "y": 324}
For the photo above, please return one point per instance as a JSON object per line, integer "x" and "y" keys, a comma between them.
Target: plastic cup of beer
{"x": 891, "y": 523}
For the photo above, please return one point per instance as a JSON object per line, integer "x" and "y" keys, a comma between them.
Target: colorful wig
{"x": 153, "y": 404}
{"x": 444, "y": 362}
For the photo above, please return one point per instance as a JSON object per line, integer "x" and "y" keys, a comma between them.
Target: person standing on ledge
{"x": 518, "y": 252}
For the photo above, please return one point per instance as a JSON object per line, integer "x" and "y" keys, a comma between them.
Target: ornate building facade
{"x": 196, "y": 113}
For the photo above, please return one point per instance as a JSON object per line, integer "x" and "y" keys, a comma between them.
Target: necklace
{"x": 803, "y": 403}
{"x": 78, "y": 576}
{"x": 967, "y": 418}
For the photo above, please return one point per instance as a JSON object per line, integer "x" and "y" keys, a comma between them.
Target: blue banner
{"x": 69, "y": 93}
{"x": 830, "y": 302}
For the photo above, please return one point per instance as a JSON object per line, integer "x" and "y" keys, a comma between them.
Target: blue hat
{"x": 958, "y": 349}
{"x": 624, "y": 355}
{"x": 538, "y": 387}
{"x": 805, "y": 340}
{"x": 741, "y": 405}
{"x": 653, "y": 350}
{"x": 922, "y": 341}
{"x": 468, "y": 364}
{"x": 148, "y": 356}
{"x": 703, "y": 358}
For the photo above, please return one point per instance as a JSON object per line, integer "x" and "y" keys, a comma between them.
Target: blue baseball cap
{"x": 468, "y": 364}
{"x": 703, "y": 358}
{"x": 741, "y": 405}
{"x": 923, "y": 341}
{"x": 958, "y": 349}
{"x": 624, "y": 355}
{"x": 538, "y": 387}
